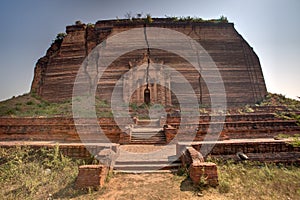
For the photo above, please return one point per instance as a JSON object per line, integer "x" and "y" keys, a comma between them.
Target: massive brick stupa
{"x": 235, "y": 59}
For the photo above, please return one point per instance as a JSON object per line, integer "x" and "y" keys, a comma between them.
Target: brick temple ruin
{"x": 238, "y": 64}
{"x": 252, "y": 133}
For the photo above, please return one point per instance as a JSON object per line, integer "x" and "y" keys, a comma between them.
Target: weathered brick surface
{"x": 231, "y": 147}
{"x": 91, "y": 176}
{"x": 250, "y": 125}
{"x": 265, "y": 150}
{"x": 58, "y": 129}
{"x": 64, "y": 129}
{"x": 237, "y": 62}
{"x": 74, "y": 150}
{"x": 199, "y": 170}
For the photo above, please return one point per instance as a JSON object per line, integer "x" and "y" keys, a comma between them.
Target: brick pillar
{"x": 207, "y": 170}
{"x": 91, "y": 176}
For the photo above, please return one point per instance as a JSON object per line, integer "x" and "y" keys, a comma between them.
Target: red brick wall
{"x": 57, "y": 129}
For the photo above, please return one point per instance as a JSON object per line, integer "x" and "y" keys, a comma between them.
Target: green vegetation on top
{"x": 222, "y": 19}
{"x": 273, "y": 99}
{"x": 292, "y": 105}
{"x": 148, "y": 18}
{"x": 59, "y": 38}
{"x": 31, "y": 105}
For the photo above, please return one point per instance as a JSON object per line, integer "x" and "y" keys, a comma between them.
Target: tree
{"x": 128, "y": 15}
{"x": 149, "y": 20}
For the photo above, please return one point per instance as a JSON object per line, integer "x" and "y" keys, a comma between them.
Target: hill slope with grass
{"x": 31, "y": 105}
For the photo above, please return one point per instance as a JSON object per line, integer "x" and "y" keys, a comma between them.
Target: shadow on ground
{"x": 187, "y": 185}
{"x": 70, "y": 192}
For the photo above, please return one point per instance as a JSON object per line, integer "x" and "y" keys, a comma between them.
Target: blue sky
{"x": 271, "y": 27}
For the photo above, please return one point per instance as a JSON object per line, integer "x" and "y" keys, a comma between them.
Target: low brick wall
{"x": 250, "y": 125}
{"x": 91, "y": 176}
{"x": 258, "y": 150}
{"x": 229, "y": 118}
{"x": 247, "y": 146}
{"x": 74, "y": 150}
{"x": 232, "y": 147}
{"x": 59, "y": 129}
{"x": 64, "y": 129}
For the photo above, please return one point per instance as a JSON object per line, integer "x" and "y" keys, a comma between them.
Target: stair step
{"x": 150, "y": 138}
{"x": 149, "y": 166}
{"x": 145, "y": 171}
{"x": 144, "y": 162}
{"x": 147, "y": 135}
{"x": 147, "y": 142}
{"x": 147, "y": 129}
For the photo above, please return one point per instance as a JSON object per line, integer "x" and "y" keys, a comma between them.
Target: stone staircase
{"x": 147, "y": 136}
{"x": 146, "y": 166}
{"x": 146, "y": 158}
{"x": 147, "y": 132}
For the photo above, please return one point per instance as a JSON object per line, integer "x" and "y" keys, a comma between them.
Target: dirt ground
{"x": 152, "y": 186}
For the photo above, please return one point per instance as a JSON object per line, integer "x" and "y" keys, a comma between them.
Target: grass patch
{"x": 251, "y": 180}
{"x": 27, "y": 173}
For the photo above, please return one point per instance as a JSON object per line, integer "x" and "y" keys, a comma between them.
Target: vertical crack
{"x": 91, "y": 65}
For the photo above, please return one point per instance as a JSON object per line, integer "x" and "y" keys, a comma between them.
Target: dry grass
{"x": 34, "y": 174}
{"x": 260, "y": 181}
